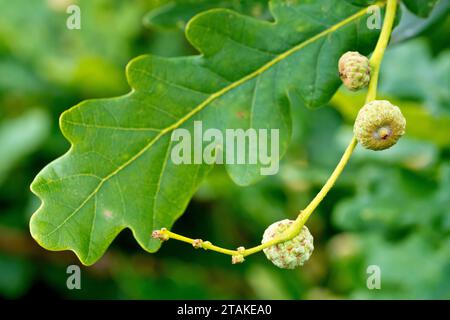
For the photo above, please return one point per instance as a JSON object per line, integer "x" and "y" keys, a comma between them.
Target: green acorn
{"x": 379, "y": 125}
{"x": 292, "y": 253}
{"x": 354, "y": 70}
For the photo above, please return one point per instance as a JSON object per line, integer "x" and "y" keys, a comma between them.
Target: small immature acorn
{"x": 379, "y": 125}
{"x": 197, "y": 244}
{"x": 354, "y": 70}
{"x": 292, "y": 253}
{"x": 160, "y": 234}
{"x": 239, "y": 258}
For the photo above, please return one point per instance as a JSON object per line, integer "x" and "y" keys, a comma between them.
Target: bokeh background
{"x": 390, "y": 209}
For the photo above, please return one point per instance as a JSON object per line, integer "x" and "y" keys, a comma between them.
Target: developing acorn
{"x": 289, "y": 254}
{"x": 379, "y": 125}
{"x": 354, "y": 70}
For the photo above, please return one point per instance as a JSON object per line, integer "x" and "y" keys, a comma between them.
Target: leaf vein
{"x": 96, "y": 126}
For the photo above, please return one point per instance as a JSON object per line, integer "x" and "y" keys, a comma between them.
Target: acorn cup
{"x": 379, "y": 125}
{"x": 354, "y": 70}
{"x": 289, "y": 254}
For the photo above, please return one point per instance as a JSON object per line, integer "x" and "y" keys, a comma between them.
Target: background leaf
{"x": 400, "y": 234}
{"x": 435, "y": 75}
{"x": 412, "y": 25}
{"x": 177, "y": 13}
{"x": 20, "y": 137}
{"x": 420, "y": 7}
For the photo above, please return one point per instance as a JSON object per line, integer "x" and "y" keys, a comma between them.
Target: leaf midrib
{"x": 209, "y": 100}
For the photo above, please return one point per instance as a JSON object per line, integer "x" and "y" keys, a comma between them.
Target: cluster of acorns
{"x": 379, "y": 123}
{"x": 378, "y": 126}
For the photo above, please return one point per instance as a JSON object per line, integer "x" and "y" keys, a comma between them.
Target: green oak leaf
{"x": 118, "y": 172}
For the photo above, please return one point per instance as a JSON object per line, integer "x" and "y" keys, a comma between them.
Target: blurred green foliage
{"x": 390, "y": 209}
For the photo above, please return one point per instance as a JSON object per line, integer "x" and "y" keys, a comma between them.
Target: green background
{"x": 390, "y": 209}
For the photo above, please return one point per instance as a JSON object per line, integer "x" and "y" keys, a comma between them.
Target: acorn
{"x": 292, "y": 253}
{"x": 354, "y": 70}
{"x": 379, "y": 125}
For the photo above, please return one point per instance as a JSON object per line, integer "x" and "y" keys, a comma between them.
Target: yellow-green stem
{"x": 297, "y": 226}
{"x": 375, "y": 63}
{"x": 294, "y": 230}
{"x": 205, "y": 245}
{"x": 378, "y": 54}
